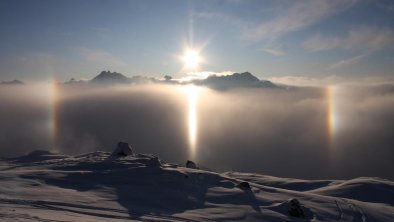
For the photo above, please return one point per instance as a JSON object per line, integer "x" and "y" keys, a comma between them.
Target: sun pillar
{"x": 192, "y": 94}
{"x": 54, "y": 85}
{"x": 331, "y": 116}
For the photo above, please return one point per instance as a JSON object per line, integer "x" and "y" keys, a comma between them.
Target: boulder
{"x": 191, "y": 164}
{"x": 244, "y": 185}
{"x": 295, "y": 209}
{"x": 123, "y": 149}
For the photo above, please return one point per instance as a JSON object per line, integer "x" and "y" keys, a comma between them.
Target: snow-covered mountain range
{"x": 220, "y": 82}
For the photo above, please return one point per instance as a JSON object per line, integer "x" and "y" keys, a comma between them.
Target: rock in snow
{"x": 191, "y": 164}
{"x": 44, "y": 186}
{"x": 123, "y": 149}
{"x": 244, "y": 185}
{"x": 295, "y": 209}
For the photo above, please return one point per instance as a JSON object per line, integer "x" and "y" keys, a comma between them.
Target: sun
{"x": 191, "y": 59}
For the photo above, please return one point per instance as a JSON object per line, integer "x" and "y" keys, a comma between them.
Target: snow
{"x": 44, "y": 186}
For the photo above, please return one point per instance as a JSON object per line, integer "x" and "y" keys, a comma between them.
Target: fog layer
{"x": 341, "y": 132}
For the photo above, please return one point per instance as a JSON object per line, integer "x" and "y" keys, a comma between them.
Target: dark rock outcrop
{"x": 123, "y": 149}
{"x": 191, "y": 164}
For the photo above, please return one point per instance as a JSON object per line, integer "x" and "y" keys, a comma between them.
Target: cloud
{"x": 238, "y": 22}
{"x": 349, "y": 61}
{"x": 202, "y": 75}
{"x": 286, "y": 127}
{"x": 25, "y": 119}
{"x": 330, "y": 80}
{"x": 388, "y": 5}
{"x": 307, "y": 81}
{"x": 321, "y": 43}
{"x": 361, "y": 38}
{"x": 367, "y": 39}
{"x": 100, "y": 57}
{"x": 370, "y": 38}
{"x": 275, "y": 52}
{"x": 243, "y": 129}
{"x": 298, "y": 16}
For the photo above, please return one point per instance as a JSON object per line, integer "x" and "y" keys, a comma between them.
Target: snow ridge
{"x": 44, "y": 186}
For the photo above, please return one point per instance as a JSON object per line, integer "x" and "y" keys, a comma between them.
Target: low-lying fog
{"x": 314, "y": 133}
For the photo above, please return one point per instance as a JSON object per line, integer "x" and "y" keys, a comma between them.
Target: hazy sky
{"x": 316, "y": 39}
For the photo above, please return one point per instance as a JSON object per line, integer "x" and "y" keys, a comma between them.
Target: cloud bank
{"x": 272, "y": 131}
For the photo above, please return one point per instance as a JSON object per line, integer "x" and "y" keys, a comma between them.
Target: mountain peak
{"x": 245, "y": 76}
{"x": 245, "y": 79}
{"x": 13, "y": 82}
{"x": 110, "y": 77}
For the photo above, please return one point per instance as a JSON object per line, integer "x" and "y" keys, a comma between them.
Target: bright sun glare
{"x": 191, "y": 59}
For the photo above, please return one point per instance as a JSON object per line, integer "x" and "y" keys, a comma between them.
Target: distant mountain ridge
{"x": 218, "y": 82}
{"x": 13, "y": 82}
{"x": 245, "y": 80}
{"x": 108, "y": 77}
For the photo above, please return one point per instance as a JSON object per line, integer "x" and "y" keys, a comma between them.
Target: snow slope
{"x": 98, "y": 186}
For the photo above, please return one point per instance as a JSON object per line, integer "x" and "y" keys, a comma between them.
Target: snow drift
{"x": 44, "y": 186}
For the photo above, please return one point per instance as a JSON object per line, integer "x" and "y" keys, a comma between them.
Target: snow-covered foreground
{"x": 43, "y": 186}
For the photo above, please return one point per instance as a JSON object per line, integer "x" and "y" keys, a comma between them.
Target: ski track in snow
{"x": 96, "y": 187}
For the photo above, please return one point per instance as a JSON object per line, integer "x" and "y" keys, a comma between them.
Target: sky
{"x": 277, "y": 40}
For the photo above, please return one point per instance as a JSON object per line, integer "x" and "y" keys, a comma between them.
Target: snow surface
{"x": 44, "y": 186}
